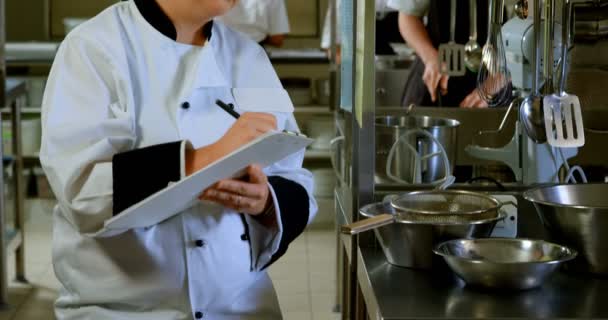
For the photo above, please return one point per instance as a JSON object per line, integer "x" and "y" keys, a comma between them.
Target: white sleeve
{"x": 417, "y": 8}
{"x": 278, "y": 20}
{"x": 83, "y": 126}
{"x": 269, "y": 244}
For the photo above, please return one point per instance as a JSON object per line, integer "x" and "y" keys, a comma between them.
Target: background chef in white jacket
{"x": 129, "y": 108}
{"x": 264, "y": 21}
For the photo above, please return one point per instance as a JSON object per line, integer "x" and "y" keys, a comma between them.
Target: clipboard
{"x": 267, "y": 149}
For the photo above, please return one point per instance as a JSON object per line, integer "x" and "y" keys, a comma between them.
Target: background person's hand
{"x": 248, "y": 127}
{"x": 433, "y": 77}
{"x": 473, "y": 101}
{"x": 250, "y": 197}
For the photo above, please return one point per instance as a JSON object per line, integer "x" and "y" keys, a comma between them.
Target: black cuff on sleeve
{"x": 294, "y": 206}
{"x": 140, "y": 173}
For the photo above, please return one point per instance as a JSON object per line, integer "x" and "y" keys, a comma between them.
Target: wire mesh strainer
{"x": 445, "y": 207}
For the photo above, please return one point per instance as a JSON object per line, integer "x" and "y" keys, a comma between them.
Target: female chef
{"x": 128, "y": 109}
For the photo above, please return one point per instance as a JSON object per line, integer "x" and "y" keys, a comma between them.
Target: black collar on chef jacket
{"x": 155, "y": 16}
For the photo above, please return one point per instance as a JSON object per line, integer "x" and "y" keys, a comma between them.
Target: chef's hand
{"x": 249, "y": 126}
{"x": 433, "y": 77}
{"x": 250, "y": 196}
{"x": 473, "y": 101}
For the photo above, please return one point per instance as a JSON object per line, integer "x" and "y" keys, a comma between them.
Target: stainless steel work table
{"x": 396, "y": 293}
{"x": 399, "y": 293}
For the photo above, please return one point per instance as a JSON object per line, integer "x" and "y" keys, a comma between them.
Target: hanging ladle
{"x": 472, "y": 50}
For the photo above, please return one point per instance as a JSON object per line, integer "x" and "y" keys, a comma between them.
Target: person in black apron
{"x": 386, "y": 33}
{"x": 426, "y": 86}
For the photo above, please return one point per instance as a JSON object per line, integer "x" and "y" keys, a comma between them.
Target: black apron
{"x": 438, "y": 27}
{"x": 387, "y": 32}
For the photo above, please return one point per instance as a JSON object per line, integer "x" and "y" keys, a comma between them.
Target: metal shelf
{"x": 313, "y": 154}
{"x": 23, "y": 110}
{"x": 313, "y": 109}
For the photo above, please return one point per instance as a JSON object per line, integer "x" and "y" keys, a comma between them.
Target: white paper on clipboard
{"x": 265, "y": 150}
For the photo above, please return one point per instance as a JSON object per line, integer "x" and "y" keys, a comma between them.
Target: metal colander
{"x": 444, "y": 207}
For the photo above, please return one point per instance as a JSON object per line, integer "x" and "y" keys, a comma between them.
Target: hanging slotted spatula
{"x": 563, "y": 116}
{"x": 451, "y": 54}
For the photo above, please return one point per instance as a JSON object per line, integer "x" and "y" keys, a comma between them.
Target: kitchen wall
{"x": 42, "y": 20}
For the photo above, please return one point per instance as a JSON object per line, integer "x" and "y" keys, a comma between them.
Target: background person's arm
{"x": 278, "y": 24}
{"x": 275, "y": 40}
{"x": 416, "y": 36}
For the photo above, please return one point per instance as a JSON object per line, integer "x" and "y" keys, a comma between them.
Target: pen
{"x": 228, "y": 108}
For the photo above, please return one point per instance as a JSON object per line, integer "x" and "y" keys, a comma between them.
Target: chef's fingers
{"x": 246, "y": 189}
{"x": 471, "y": 100}
{"x": 262, "y": 127}
{"x": 479, "y": 102}
{"x": 428, "y": 82}
{"x": 465, "y": 103}
{"x": 443, "y": 84}
{"x": 266, "y": 118}
{"x": 259, "y": 124}
{"x": 256, "y": 175}
{"x": 231, "y": 200}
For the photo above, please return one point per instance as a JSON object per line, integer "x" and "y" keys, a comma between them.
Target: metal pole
{"x": 19, "y": 187}
{"x": 549, "y": 14}
{"x": 363, "y": 131}
{"x": 3, "y": 242}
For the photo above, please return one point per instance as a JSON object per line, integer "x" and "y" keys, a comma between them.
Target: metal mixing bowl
{"x": 411, "y": 245}
{"x": 576, "y": 216}
{"x": 504, "y": 263}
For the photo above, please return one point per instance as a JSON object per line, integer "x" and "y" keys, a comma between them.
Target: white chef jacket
{"x": 258, "y": 19}
{"x": 116, "y": 85}
{"x": 382, "y": 6}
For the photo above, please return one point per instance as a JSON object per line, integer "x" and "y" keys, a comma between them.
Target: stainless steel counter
{"x": 401, "y": 293}
{"x": 297, "y": 56}
{"x": 394, "y": 293}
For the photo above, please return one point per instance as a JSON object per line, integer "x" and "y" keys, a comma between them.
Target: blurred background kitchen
{"x": 351, "y": 76}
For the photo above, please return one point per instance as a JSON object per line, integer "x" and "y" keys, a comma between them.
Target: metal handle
{"x": 567, "y": 27}
{"x": 453, "y": 21}
{"x": 516, "y": 101}
{"x": 368, "y": 224}
{"x": 537, "y": 47}
{"x": 565, "y": 45}
{"x": 473, "y": 20}
{"x": 548, "y": 46}
{"x": 332, "y": 157}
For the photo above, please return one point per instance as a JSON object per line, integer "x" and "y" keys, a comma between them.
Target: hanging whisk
{"x": 494, "y": 80}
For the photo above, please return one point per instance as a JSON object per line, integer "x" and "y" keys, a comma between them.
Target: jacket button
{"x": 186, "y": 105}
{"x": 198, "y": 315}
{"x": 199, "y": 243}
{"x": 245, "y": 237}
